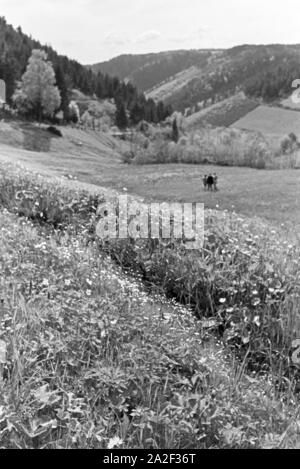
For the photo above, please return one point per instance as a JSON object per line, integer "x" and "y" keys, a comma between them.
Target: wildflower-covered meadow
{"x": 140, "y": 344}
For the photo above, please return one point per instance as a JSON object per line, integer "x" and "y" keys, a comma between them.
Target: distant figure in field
{"x": 210, "y": 182}
{"x": 205, "y": 182}
{"x": 215, "y": 178}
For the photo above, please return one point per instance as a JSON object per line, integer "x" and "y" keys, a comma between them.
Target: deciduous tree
{"x": 37, "y": 92}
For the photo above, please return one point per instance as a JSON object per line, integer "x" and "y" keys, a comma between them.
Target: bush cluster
{"x": 218, "y": 146}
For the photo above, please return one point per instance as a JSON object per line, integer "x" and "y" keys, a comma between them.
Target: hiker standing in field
{"x": 205, "y": 182}
{"x": 215, "y": 178}
{"x": 210, "y": 182}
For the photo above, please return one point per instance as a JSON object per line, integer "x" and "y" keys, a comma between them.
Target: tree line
{"x": 274, "y": 83}
{"x": 16, "y": 49}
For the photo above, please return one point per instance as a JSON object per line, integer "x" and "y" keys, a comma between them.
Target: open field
{"x": 271, "y": 195}
{"x": 274, "y": 122}
{"x": 94, "y": 158}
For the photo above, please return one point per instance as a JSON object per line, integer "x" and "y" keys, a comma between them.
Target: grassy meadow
{"x": 90, "y": 358}
{"x": 273, "y": 121}
{"x": 144, "y": 345}
{"x": 95, "y": 158}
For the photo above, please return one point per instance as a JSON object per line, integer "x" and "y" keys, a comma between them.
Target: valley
{"x": 269, "y": 195}
{"x": 138, "y": 342}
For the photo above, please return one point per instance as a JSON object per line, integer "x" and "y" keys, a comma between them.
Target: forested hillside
{"x": 196, "y": 79}
{"x": 16, "y": 48}
{"x": 147, "y": 70}
{"x": 181, "y": 79}
{"x": 265, "y": 72}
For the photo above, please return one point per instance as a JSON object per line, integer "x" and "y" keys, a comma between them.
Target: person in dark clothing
{"x": 210, "y": 182}
{"x": 215, "y": 177}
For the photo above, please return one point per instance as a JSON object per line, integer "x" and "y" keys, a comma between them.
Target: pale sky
{"x": 96, "y": 30}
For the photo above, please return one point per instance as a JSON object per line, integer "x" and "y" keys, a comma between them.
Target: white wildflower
{"x": 113, "y": 442}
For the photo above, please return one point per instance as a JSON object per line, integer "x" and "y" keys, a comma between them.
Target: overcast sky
{"x": 96, "y": 30}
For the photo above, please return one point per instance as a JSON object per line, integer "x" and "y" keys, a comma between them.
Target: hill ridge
{"x": 261, "y": 71}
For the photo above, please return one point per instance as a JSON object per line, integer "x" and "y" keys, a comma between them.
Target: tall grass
{"x": 246, "y": 278}
{"x": 44, "y": 201}
{"x": 89, "y": 360}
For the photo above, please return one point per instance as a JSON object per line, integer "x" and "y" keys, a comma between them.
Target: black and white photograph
{"x": 149, "y": 227}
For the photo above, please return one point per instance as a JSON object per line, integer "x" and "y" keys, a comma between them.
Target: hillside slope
{"x": 16, "y": 49}
{"x": 186, "y": 78}
{"x": 78, "y": 153}
{"x": 261, "y": 71}
{"x": 272, "y": 121}
{"x": 102, "y": 363}
{"x": 98, "y": 162}
{"x": 222, "y": 114}
{"x": 148, "y": 70}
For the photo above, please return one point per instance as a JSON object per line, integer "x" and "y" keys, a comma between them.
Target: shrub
{"x": 55, "y": 131}
{"x": 127, "y": 157}
{"x": 289, "y": 144}
{"x": 219, "y": 146}
{"x": 73, "y": 112}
